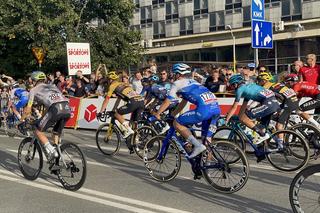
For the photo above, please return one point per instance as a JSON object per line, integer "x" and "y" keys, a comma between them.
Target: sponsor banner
{"x": 74, "y": 106}
{"x": 89, "y": 109}
{"x": 78, "y": 55}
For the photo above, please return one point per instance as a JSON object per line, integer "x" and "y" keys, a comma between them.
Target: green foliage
{"x": 52, "y": 23}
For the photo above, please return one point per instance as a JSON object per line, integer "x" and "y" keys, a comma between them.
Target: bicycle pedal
{"x": 197, "y": 177}
{"x": 261, "y": 158}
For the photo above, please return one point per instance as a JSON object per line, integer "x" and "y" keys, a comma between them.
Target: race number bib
{"x": 267, "y": 93}
{"x": 289, "y": 93}
{"x": 208, "y": 97}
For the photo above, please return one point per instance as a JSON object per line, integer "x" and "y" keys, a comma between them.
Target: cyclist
{"x": 268, "y": 105}
{"x": 207, "y": 109}
{"x": 286, "y": 97}
{"x": 124, "y": 91}
{"x": 57, "y": 111}
{"x": 305, "y": 89}
{"x": 22, "y": 95}
{"x": 156, "y": 93}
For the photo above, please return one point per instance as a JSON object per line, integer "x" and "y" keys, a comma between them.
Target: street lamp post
{"x": 234, "y": 47}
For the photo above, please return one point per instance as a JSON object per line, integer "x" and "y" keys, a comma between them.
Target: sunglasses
{"x": 228, "y": 74}
{"x": 163, "y": 73}
{"x": 263, "y": 70}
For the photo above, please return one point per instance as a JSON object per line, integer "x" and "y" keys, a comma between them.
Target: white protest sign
{"x": 79, "y": 58}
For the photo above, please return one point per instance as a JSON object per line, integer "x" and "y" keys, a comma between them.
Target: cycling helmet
{"x": 236, "y": 79}
{"x": 154, "y": 78}
{"x": 181, "y": 68}
{"x": 291, "y": 77}
{"x": 112, "y": 75}
{"x": 38, "y": 75}
{"x": 15, "y": 85}
{"x": 265, "y": 76}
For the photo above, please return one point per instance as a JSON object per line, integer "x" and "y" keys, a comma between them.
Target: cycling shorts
{"x": 311, "y": 104}
{"x": 206, "y": 114}
{"x": 56, "y": 117}
{"x": 288, "y": 107}
{"x": 135, "y": 107}
{"x": 263, "y": 111}
{"x": 21, "y": 103}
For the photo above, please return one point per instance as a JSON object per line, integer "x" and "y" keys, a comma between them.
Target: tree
{"x": 52, "y": 23}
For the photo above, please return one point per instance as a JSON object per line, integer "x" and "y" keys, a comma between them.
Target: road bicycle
{"x": 70, "y": 166}
{"x": 304, "y": 192}
{"x": 109, "y": 136}
{"x": 290, "y": 156}
{"x": 223, "y": 165}
{"x": 9, "y": 124}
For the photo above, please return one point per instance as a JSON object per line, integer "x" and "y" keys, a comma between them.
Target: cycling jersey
{"x": 46, "y": 94}
{"x": 123, "y": 90}
{"x": 191, "y": 91}
{"x": 207, "y": 111}
{"x": 310, "y": 74}
{"x": 21, "y": 95}
{"x": 306, "y": 89}
{"x": 253, "y": 92}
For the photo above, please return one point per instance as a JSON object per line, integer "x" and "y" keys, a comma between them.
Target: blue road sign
{"x": 257, "y": 9}
{"x": 261, "y": 34}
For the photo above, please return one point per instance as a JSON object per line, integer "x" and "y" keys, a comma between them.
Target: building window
{"x": 186, "y": 26}
{"x": 291, "y": 10}
{"x": 172, "y": 10}
{"x": 232, "y": 6}
{"x": 136, "y": 3}
{"x": 155, "y": 2}
{"x": 159, "y": 30}
{"x": 146, "y": 16}
{"x": 272, "y": 3}
{"x": 247, "y": 16}
{"x": 200, "y": 7}
{"x": 217, "y": 21}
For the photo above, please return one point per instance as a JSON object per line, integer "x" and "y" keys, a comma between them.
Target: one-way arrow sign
{"x": 261, "y": 34}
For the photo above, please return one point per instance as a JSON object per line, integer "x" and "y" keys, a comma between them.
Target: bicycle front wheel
{"x": 304, "y": 193}
{"x": 140, "y": 137}
{"x": 293, "y": 156}
{"x": 225, "y": 167}
{"x": 30, "y": 158}
{"x": 72, "y": 167}
{"x": 108, "y": 139}
{"x": 166, "y": 168}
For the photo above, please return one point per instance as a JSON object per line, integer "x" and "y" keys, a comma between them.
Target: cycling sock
{"x": 259, "y": 131}
{"x": 126, "y": 126}
{"x": 48, "y": 147}
{"x": 18, "y": 116}
{"x": 314, "y": 122}
{"x": 193, "y": 140}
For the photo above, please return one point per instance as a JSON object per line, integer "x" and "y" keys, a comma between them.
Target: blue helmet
{"x": 236, "y": 79}
{"x": 154, "y": 78}
{"x": 181, "y": 68}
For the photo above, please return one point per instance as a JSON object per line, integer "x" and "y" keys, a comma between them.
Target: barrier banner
{"x": 74, "y": 104}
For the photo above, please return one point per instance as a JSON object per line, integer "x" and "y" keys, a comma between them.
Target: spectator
{"x": 83, "y": 79}
{"x": 70, "y": 85}
{"x": 164, "y": 76}
{"x": 213, "y": 82}
{"x": 297, "y": 65}
{"x": 247, "y": 73}
{"x": 50, "y": 79}
{"x": 62, "y": 84}
{"x": 147, "y": 73}
{"x": 92, "y": 86}
{"x": 56, "y": 80}
{"x": 136, "y": 82}
{"x": 125, "y": 78}
{"x": 79, "y": 90}
{"x": 262, "y": 68}
{"x": 310, "y": 72}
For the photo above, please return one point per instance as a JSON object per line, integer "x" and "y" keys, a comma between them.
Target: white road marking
{"x": 6, "y": 175}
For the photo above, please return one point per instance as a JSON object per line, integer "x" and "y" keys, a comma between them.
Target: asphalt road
{"x": 121, "y": 184}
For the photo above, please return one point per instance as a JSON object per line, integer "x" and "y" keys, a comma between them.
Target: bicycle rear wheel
{"x": 140, "y": 137}
{"x": 168, "y": 167}
{"x": 304, "y": 193}
{"x": 30, "y": 158}
{"x": 228, "y": 134}
{"x": 217, "y": 170}
{"x": 72, "y": 167}
{"x": 293, "y": 156}
{"x": 108, "y": 139}
{"x": 311, "y": 134}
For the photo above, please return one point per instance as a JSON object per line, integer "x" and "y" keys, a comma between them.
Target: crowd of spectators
{"x": 213, "y": 77}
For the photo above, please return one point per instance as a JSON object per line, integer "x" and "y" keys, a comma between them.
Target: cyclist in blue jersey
{"x": 207, "y": 110}
{"x": 22, "y": 95}
{"x": 268, "y": 105}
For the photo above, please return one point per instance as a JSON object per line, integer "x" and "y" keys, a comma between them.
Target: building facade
{"x": 196, "y": 30}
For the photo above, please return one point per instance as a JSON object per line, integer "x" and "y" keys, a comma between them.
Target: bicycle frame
{"x": 172, "y": 134}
